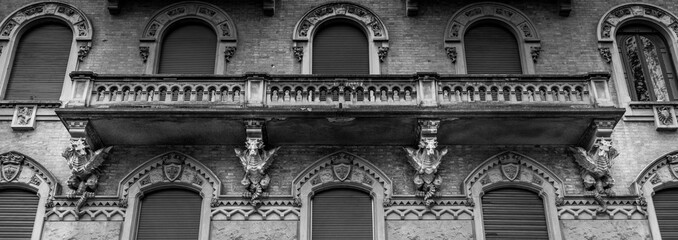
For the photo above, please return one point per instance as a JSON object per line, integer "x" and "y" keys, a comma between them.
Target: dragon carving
{"x": 255, "y": 160}
{"x": 596, "y": 169}
{"x": 426, "y": 160}
{"x": 84, "y": 164}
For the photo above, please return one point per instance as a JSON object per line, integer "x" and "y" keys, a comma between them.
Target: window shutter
{"x": 17, "y": 213}
{"x": 491, "y": 49}
{"x": 666, "y": 209}
{"x": 340, "y": 48}
{"x": 190, "y": 48}
{"x": 40, "y": 63}
{"x": 342, "y": 214}
{"x": 169, "y": 214}
{"x": 512, "y": 213}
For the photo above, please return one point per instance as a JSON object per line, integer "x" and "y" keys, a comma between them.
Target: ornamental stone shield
{"x": 341, "y": 171}
{"x": 11, "y": 166}
{"x": 172, "y": 167}
{"x": 673, "y": 164}
{"x": 510, "y": 170}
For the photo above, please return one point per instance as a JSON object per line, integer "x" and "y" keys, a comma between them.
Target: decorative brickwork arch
{"x": 660, "y": 174}
{"x": 169, "y": 170}
{"x": 20, "y": 171}
{"x": 21, "y": 20}
{"x": 371, "y": 24}
{"x": 342, "y": 169}
{"x": 212, "y": 15}
{"x": 511, "y": 169}
{"x": 521, "y": 26}
{"x": 658, "y": 18}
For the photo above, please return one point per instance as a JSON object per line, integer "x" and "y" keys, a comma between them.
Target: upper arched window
{"x": 491, "y": 48}
{"x": 340, "y": 47}
{"x": 648, "y": 67}
{"x": 188, "y": 47}
{"x": 40, "y": 62}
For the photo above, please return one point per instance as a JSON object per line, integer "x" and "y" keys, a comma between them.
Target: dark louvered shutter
{"x": 189, "y": 48}
{"x": 666, "y": 209}
{"x": 512, "y": 213}
{"x": 17, "y": 213}
{"x": 170, "y": 214}
{"x": 40, "y": 63}
{"x": 342, "y": 214}
{"x": 340, "y": 48}
{"x": 491, "y": 49}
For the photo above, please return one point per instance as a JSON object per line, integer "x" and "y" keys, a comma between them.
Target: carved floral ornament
{"x": 78, "y": 21}
{"x": 513, "y": 168}
{"x": 211, "y": 14}
{"x": 609, "y": 23}
{"x": 363, "y": 16}
{"x": 19, "y": 168}
{"x": 170, "y": 168}
{"x": 461, "y": 20}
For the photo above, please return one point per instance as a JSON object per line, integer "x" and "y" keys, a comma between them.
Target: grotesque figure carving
{"x": 426, "y": 160}
{"x": 84, "y": 164}
{"x": 255, "y": 160}
{"x": 596, "y": 169}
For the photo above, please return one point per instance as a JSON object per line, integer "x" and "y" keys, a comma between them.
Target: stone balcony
{"x": 339, "y": 110}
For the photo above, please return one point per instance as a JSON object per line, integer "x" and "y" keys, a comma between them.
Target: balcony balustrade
{"x": 261, "y": 90}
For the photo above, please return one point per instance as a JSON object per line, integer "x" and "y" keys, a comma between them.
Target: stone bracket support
{"x": 82, "y": 128}
{"x": 255, "y": 160}
{"x": 412, "y": 7}
{"x": 254, "y": 129}
{"x": 428, "y": 129}
{"x": 425, "y": 160}
{"x": 600, "y": 129}
{"x": 113, "y": 6}
{"x": 268, "y": 7}
{"x": 564, "y": 7}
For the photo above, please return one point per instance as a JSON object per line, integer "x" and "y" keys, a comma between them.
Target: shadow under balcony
{"x": 340, "y": 110}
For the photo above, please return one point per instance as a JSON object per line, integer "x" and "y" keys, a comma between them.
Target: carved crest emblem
{"x": 11, "y": 166}
{"x": 341, "y": 166}
{"x": 172, "y": 167}
{"x": 510, "y": 167}
{"x": 673, "y": 164}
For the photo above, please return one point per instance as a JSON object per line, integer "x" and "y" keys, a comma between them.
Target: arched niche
{"x": 658, "y": 18}
{"x": 342, "y": 170}
{"x": 169, "y": 170}
{"x": 511, "y": 169}
{"x": 157, "y": 26}
{"x": 22, "y": 19}
{"x": 20, "y": 171}
{"x": 662, "y": 173}
{"x": 368, "y": 21}
{"x": 522, "y": 27}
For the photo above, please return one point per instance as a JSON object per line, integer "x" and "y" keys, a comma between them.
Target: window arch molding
{"x": 31, "y": 176}
{"x": 368, "y": 21}
{"x": 28, "y": 16}
{"x": 514, "y": 170}
{"x": 156, "y": 28}
{"x": 658, "y": 18}
{"x": 342, "y": 170}
{"x": 660, "y": 174}
{"x": 518, "y": 23}
{"x": 169, "y": 170}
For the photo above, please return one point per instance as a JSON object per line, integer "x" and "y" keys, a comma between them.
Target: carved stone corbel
{"x": 412, "y": 7}
{"x": 596, "y": 159}
{"x": 426, "y": 159}
{"x": 85, "y": 154}
{"x": 269, "y": 7}
{"x": 255, "y": 160}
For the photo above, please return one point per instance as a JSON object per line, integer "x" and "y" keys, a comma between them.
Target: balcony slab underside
{"x": 505, "y": 125}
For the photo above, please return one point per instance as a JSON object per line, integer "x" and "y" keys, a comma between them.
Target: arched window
{"x": 340, "y": 47}
{"x": 17, "y": 213}
{"x": 170, "y": 214}
{"x": 342, "y": 213}
{"x": 513, "y": 213}
{"x": 648, "y": 68}
{"x": 40, "y": 62}
{"x": 665, "y": 202}
{"x": 491, "y": 48}
{"x": 188, "y": 47}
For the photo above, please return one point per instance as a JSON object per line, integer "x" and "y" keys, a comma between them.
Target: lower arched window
{"x": 647, "y": 60}
{"x": 666, "y": 210}
{"x": 17, "y": 213}
{"x": 342, "y": 214}
{"x": 169, "y": 214}
{"x": 513, "y": 213}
